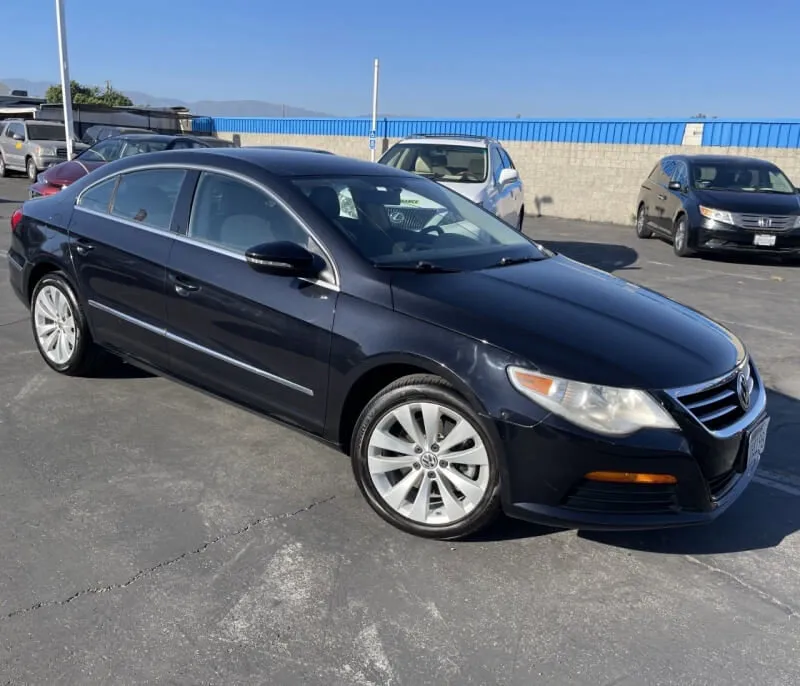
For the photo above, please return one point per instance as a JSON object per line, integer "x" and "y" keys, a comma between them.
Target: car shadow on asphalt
{"x": 606, "y": 256}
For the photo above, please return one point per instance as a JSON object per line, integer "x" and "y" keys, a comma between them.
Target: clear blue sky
{"x": 460, "y": 58}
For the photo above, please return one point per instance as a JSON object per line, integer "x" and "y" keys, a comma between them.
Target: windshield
{"x": 42, "y": 132}
{"x": 736, "y": 176}
{"x": 395, "y": 221}
{"x": 453, "y": 163}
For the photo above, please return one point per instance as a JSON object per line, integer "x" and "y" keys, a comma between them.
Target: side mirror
{"x": 283, "y": 258}
{"x": 507, "y": 175}
{"x": 18, "y": 137}
{"x": 675, "y": 186}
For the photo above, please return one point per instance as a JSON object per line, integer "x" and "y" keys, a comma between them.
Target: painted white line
{"x": 662, "y": 264}
{"x": 786, "y": 483}
{"x": 3, "y": 253}
{"x": 756, "y": 326}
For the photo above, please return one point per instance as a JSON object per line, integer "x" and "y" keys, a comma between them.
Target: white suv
{"x": 478, "y": 168}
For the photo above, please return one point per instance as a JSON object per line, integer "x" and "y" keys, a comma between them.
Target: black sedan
{"x": 463, "y": 367}
{"x": 716, "y": 203}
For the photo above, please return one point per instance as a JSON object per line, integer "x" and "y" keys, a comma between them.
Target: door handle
{"x": 183, "y": 286}
{"x": 83, "y": 247}
{"x": 662, "y": 197}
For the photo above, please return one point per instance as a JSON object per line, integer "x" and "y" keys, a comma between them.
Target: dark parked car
{"x": 97, "y": 133}
{"x": 717, "y": 203}
{"x": 62, "y": 175}
{"x": 462, "y": 366}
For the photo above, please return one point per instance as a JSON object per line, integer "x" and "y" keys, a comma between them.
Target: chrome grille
{"x": 411, "y": 218}
{"x": 718, "y": 405}
{"x": 766, "y": 222}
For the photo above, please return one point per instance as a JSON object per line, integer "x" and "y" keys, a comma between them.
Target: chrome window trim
{"x": 235, "y": 175}
{"x": 159, "y": 331}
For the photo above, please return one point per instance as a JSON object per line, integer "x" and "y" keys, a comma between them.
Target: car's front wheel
{"x": 680, "y": 238}
{"x": 31, "y": 168}
{"x": 60, "y": 329}
{"x": 424, "y": 462}
{"x": 641, "y": 223}
{"x": 2, "y": 166}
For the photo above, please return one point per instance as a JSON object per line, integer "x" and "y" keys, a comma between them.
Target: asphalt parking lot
{"x": 152, "y": 534}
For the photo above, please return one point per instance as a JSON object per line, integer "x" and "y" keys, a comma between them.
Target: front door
{"x": 259, "y": 339}
{"x": 13, "y": 149}
{"x": 674, "y": 201}
{"x": 119, "y": 239}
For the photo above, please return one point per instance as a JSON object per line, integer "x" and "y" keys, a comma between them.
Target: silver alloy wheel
{"x": 428, "y": 463}
{"x": 55, "y": 325}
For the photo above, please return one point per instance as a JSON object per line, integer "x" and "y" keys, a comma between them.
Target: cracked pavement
{"x": 152, "y": 534}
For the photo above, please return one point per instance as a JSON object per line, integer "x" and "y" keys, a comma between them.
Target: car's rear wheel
{"x": 680, "y": 237}
{"x": 641, "y": 223}
{"x": 31, "y": 169}
{"x": 60, "y": 329}
{"x": 424, "y": 462}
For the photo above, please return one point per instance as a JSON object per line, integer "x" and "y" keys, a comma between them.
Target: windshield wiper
{"x": 420, "y": 267}
{"x": 508, "y": 261}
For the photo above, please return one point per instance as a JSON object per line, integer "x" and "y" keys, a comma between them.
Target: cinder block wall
{"x": 573, "y": 180}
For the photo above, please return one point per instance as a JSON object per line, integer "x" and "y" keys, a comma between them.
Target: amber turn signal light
{"x": 631, "y": 478}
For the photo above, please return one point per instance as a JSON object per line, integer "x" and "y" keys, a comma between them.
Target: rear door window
{"x": 148, "y": 197}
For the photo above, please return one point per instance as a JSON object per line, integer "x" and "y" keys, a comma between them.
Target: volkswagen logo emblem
{"x": 396, "y": 217}
{"x": 744, "y": 388}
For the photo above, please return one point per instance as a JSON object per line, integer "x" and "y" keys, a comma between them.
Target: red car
{"x": 62, "y": 175}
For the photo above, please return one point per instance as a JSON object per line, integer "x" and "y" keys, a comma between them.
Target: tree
{"x": 90, "y": 95}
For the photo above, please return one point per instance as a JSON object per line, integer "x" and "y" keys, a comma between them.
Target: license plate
{"x": 764, "y": 239}
{"x": 755, "y": 446}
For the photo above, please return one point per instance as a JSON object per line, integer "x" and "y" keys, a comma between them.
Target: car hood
{"x": 65, "y": 173}
{"x": 576, "y": 322}
{"x": 471, "y": 191}
{"x": 750, "y": 203}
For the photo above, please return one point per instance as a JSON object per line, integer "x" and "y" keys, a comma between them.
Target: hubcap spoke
{"x": 471, "y": 456}
{"x": 431, "y": 416}
{"x": 404, "y": 417}
{"x": 399, "y": 492}
{"x": 385, "y": 441}
{"x": 378, "y": 465}
{"x": 422, "y": 503}
{"x": 453, "y": 509}
{"x": 472, "y": 492}
{"x": 461, "y": 432}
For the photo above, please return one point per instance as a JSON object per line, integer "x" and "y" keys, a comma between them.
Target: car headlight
{"x": 717, "y": 215}
{"x": 601, "y": 409}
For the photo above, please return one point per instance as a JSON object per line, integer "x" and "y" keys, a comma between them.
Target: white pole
{"x": 374, "y": 131}
{"x": 66, "y": 94}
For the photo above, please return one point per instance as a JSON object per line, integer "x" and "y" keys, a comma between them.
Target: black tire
{"x": 521, "y": 220}
{"x": 86, "y": 357}
{"x": 30, "y": 167}
{"x": 680, "y": 237}
{"x": 3, "y": 170}
{"x": 425, "y": 388}
{"x": 641, "y": 230}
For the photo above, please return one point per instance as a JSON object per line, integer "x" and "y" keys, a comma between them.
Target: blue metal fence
{"x": 655, "y": 132}
{"x": 717, "y": 132}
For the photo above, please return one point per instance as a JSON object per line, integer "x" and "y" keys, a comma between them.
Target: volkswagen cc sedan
{"x": 464, "y": 368}
{"x": 720, "y": 203}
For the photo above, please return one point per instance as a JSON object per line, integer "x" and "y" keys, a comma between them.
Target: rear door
{"x": 257, "y": 338}
{"x": 120, "y": 237}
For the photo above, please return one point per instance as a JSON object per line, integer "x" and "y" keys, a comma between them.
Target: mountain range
{"x": 211, "y": 108}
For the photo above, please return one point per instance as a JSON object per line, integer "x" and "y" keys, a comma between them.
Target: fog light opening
{"x": 631, "y": 478}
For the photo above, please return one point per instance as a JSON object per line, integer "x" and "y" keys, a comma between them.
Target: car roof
{"x": 721, "y": 159}
{"x": 464, "y": 141}
{"x": 291, "y": 163}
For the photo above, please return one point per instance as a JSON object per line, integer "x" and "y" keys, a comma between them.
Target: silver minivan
{"x": 30, "y": 146}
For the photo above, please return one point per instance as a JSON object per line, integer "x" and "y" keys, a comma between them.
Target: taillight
{"x": 16, "y": 219}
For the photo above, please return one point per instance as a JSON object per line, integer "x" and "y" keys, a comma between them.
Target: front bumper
{"x": 727, "y": 238}
{"x": 546, "y": 465}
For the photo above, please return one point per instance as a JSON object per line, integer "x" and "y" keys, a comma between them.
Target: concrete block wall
{"x": 573, "y": 180}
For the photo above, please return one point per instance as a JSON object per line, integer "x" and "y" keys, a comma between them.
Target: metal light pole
{"x": 66, "y": 94}
{"x": 373, "y": 132}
